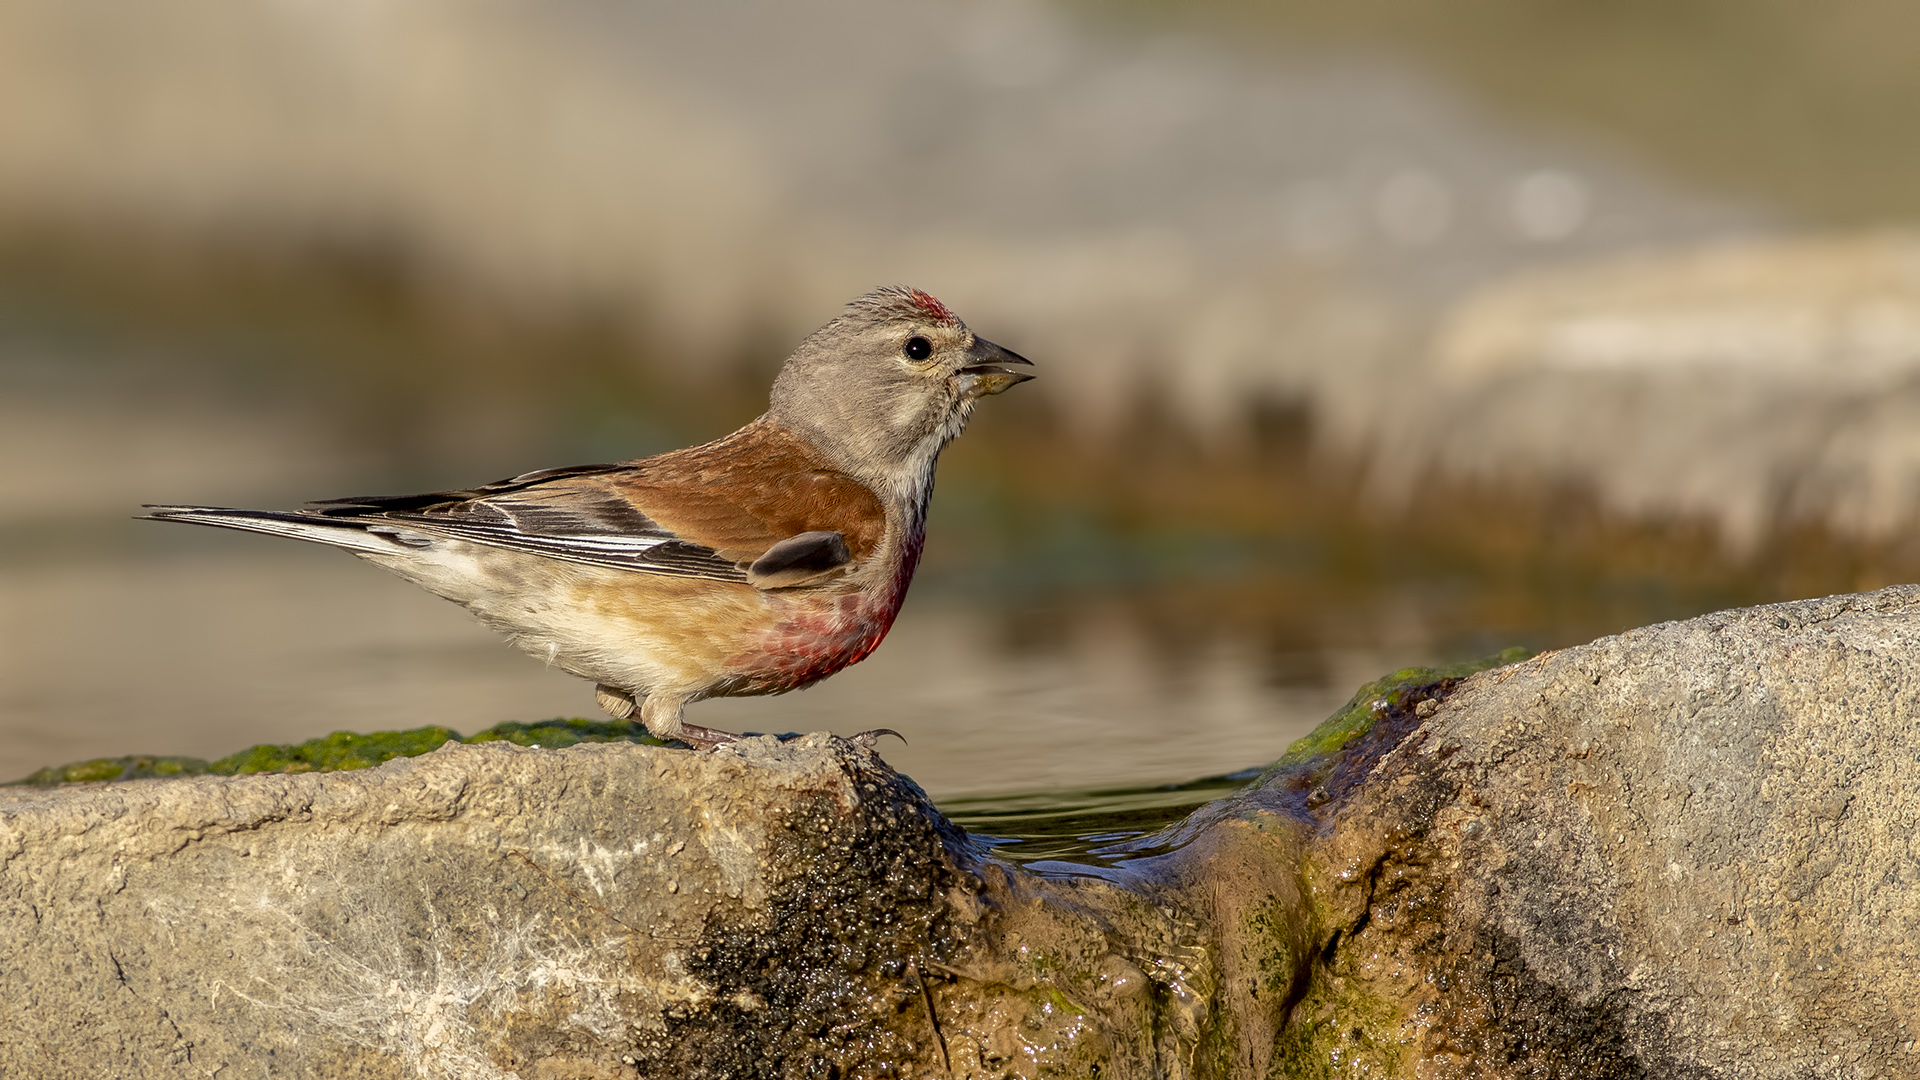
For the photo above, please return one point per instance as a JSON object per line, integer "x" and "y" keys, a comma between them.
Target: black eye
{"x": 917, "y": 348}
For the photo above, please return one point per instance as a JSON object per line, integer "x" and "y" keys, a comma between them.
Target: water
{"x": 1091, "y": 828}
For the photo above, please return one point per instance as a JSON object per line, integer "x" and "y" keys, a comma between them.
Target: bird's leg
{"x": 661, "y": 714}
{"x": 661, "y": 717}
{"x": 617, "y": 702}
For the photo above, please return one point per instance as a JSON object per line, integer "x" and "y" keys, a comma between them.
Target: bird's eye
{"x": 917, "y": 348}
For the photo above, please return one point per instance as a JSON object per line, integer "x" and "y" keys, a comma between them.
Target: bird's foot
{"x": 704, "y": 738}
{"x": 869, "y": 738}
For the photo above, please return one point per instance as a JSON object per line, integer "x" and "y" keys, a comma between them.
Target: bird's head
{"x": 889, "y": 382}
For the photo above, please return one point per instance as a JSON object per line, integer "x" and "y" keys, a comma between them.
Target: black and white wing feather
{"x": 528, "y": 513}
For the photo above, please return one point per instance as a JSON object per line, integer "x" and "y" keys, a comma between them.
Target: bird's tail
{"x": 373, "y": 537}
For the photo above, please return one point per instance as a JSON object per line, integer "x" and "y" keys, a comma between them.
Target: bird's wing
{"x": 577, "y": 515}
{"x": 759, "y": 506}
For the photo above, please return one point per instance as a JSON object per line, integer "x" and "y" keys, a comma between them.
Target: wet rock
{"x": 1682, "y": 851}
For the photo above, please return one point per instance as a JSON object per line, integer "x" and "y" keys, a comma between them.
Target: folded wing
{"x": 758, "y": 506}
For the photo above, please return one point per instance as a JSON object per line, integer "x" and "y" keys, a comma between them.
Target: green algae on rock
{"x": 129, "y": 767}
{"x": 336, "y": 752}
{"x": 552, "y": 734}
{"x": 1388, "y": 692}
{"x": 332, "y": 753}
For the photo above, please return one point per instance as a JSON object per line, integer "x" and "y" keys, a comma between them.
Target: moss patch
{"x": 131, "y": 767}
{"x": 556, "y": 733}
{"x": 338, "y": 751}
{"x": 1345, "y": 1024}
{"x": 1382, "y": 695}
{"x": 1336, "y": 1032}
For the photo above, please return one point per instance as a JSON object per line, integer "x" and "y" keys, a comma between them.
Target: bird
{"x": 758, "y": 563}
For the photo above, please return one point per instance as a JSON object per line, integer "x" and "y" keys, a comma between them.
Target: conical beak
{"x": 988, "y": 370}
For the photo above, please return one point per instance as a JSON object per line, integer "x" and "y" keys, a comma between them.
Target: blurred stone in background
{"x": 1150, "y": 214}
{"x": 1752, "y": 384}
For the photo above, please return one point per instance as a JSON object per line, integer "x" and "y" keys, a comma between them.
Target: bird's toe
{"x": 704, "y": 738}
{"x": 869, "y": 738}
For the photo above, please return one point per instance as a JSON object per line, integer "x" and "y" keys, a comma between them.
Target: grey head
{"x": 889, "y": 382}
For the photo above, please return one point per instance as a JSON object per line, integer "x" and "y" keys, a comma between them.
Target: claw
{"x": 868, "y": 738}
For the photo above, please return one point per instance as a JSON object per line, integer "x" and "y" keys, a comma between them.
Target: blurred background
{"x": 1369, "y": 335}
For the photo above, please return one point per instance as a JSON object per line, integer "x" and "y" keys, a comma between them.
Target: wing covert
{"x": 709, "y": 511}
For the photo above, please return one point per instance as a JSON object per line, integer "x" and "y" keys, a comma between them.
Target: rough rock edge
{"x": 1676, "y": 852}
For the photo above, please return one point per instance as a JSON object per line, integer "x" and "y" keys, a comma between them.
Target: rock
{"x": 604, "y": 910}
{"x": 480, "y": 911}
{"x": 1682, "y": 851}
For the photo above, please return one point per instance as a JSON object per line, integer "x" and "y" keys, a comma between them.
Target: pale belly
{"x": 653, "y": 633}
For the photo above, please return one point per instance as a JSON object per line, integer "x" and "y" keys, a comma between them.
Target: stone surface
{"x": 479, "y": 911}
{"x": 603, "y": 910}
{"x": 1685, "y": 851}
